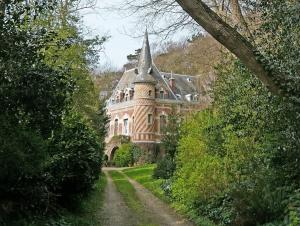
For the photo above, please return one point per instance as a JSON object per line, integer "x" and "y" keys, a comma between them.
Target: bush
{"x": 137, "y": 153}
{"x": 76, "y": 157}
{"x": 123, "y": 156}
{"x": 22, "y": 156}
{"x": 165, "y": 168}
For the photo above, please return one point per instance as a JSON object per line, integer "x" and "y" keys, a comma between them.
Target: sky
{"x": 120, "y": 44}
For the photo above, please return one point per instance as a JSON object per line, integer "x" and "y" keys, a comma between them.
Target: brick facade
{"x": 143, "y": 99}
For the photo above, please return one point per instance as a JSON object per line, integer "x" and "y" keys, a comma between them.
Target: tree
{"x": 232, "y": 40}
{"x": 171, "y": 132}
{"x": 170, "y": 141}
{"x": 238, "y": 39}
{"x": 48, "y": 147}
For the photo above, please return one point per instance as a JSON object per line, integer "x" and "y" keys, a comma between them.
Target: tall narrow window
{"x": 150, "y": 119}
{"x": 116, "y": 127}
{"x": 150, "y": 93}
{"x": 162, "y": 123}
{"x": 161, "y": 94}
{"x": 126, "y": 126}
{"x": 132, "y": 125}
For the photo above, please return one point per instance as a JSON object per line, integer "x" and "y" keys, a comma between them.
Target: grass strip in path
{"x": 127, "y": 191}
{"x": 143, "y": 175}
{"x": 130, "y": 197}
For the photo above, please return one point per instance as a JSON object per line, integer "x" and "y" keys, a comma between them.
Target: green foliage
{"x": 143, "y": 175}
{"x": 165, "y": 168}
{"x": 200, "y": 173}
{"x": 40, "y": 134}
{"x": 137, "y": 153}
{"x": 171, "y": 133}
{"x": 282, "y": 26}
{"x": 235, "y": 162}
{"x": 85, "y": 214}
{"x": 75, "y": 156}
{"x": 123, "y": 156}
{"x": 128, "y": 153}
{"x": 22, "y": 156}
{"x": 170, "y": 140}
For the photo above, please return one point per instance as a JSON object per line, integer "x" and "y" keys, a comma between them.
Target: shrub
{"x": 22, "y": 156}
{"x": 123, "y": 156}
{"x": 165, "y": 168}
{"x": 76, "y": 157}
{"x": 137, "y": 153}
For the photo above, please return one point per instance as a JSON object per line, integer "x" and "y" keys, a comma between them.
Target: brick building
{"x": 143, "y": 99}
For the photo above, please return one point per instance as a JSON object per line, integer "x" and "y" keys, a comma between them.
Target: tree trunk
{"x": 239, "y": 18}
{"x": 231, "y": 39}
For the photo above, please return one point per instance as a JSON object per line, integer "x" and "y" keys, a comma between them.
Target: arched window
{"x": 116, "y": 127}
{"x": 126, "y": 126}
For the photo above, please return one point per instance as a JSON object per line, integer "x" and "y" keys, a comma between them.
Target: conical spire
{"x": 145, "y": 63}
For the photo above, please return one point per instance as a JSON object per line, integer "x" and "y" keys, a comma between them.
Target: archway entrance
{"x": 112, "y": 153}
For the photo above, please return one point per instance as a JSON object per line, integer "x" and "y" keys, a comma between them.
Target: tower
{"x": 144, "y": 97}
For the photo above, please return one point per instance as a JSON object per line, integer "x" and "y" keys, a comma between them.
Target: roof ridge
{"x": 177, "y": 74}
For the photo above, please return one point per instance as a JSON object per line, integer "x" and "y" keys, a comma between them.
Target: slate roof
{"x": 148, "y": 72}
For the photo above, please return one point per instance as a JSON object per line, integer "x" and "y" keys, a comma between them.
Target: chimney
{"x": 172, "y": 82}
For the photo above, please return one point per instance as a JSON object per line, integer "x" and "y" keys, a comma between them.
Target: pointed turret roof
{"x": 144, "y": 69}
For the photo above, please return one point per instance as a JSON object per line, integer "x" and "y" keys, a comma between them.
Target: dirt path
{"x": 114, "y": 211}
{"x": 156, "y": 210}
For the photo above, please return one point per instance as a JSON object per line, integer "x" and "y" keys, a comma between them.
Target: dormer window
{"x": 188, "y": 97}
{"x": 195, "y": 97}
{"x": 189, "y": 79}
{"x": 178, "y": 96}
{"x": 161, "y": 94}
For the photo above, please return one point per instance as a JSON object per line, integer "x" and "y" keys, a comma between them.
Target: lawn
{"x": 143, "y": 175}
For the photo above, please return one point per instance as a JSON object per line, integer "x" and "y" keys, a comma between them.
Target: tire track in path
{"x": 114, "y": 210}
{"x": 156, "y": 210}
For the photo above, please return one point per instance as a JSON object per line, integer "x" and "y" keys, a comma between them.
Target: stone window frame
{"x": 150, "y": 119}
